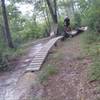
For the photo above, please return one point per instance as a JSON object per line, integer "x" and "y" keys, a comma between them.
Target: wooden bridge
{"x": 38, "y": 60}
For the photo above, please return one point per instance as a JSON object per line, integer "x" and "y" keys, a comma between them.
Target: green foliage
{"x": 77, "y": 20}
{"x": 25, "y": 28}
{"x": 61, "y": 25}
{"x": 22, "y": 30}
{"x": 91, "y": 37}
{"x": 92, "y": 48}
{"x": 93, "y": 19}
{"x": 92, "y": 16}
{"x": 3, "y": 60}
{"x": 5, "y": 54}
{"x": 30, "y": 32}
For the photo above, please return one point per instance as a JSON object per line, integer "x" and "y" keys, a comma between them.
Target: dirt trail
{"x": 71, "y": 81}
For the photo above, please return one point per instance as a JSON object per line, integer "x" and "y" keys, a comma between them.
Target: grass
{"x": 95, "y": 69}
{"x": 50, "y": 68}
{"x": 91, "y": 45}
{"x": 48, "y": 71}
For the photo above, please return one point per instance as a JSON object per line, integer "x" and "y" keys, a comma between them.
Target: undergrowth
{"x": 91, "y": 42}
{"x": 7, "y": 55}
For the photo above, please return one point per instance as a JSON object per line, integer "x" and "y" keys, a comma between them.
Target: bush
{"x": 3, "y": 57}
{"x": 77, "y": 20}
{"x": 92, "y": 18}
{"x": 91, "y": 37}
{"x": 28, "y": 33}
{"x": 61, "y": 25}
{"x": 7, "y": 55}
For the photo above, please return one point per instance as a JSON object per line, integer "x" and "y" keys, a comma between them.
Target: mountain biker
{"x": 66, "y": 21}
{"x": 66, "y": 27}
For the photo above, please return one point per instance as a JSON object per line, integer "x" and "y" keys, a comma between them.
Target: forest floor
{"x": 70, "y": 82}
{"x": 63, "y": 76}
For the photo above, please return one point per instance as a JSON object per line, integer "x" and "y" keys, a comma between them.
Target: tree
{"x": 53, "y": 12}
{"x": 6, "y": 25}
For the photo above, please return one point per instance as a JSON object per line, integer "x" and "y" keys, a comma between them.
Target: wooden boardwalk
{"x": 38, "y": 60}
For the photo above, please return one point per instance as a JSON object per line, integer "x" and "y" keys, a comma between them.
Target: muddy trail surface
{"x": 9, "y": 79}
{"x": 70, "y": 83}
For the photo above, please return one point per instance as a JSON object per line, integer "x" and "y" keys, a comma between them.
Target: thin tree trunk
{"x": 55, "y": 10}
{"x": 6, "y": 26}
{"x": 45, "y": 19}
{"x": 47, "y": 15}
{"x": 52, "y": 12}
{"x": 73, "y": 6}
{"x": 54, "y": 27}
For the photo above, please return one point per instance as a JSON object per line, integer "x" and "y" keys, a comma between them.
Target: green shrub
{"x": 91, "y": 37}
{"x": 92, "y": 16}
{"x": 61, "y": 25}
{"x": 3, "y": 57}
{"x": 30, "y": 33}
{"x": 77, "y": 20}
{"x": 7, "y": 54}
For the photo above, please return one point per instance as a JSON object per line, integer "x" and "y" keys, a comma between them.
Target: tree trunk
{"x": 47, "y": 14}
{"x": 6, "y": 26}
{"x": 53, "y": 12}
{"x": 72, "y": 6}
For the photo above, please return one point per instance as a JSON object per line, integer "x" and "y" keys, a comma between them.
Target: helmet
{"x": 66, "y": 17}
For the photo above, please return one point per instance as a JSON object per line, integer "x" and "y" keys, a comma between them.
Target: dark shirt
{"x": 66, "y": 22}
